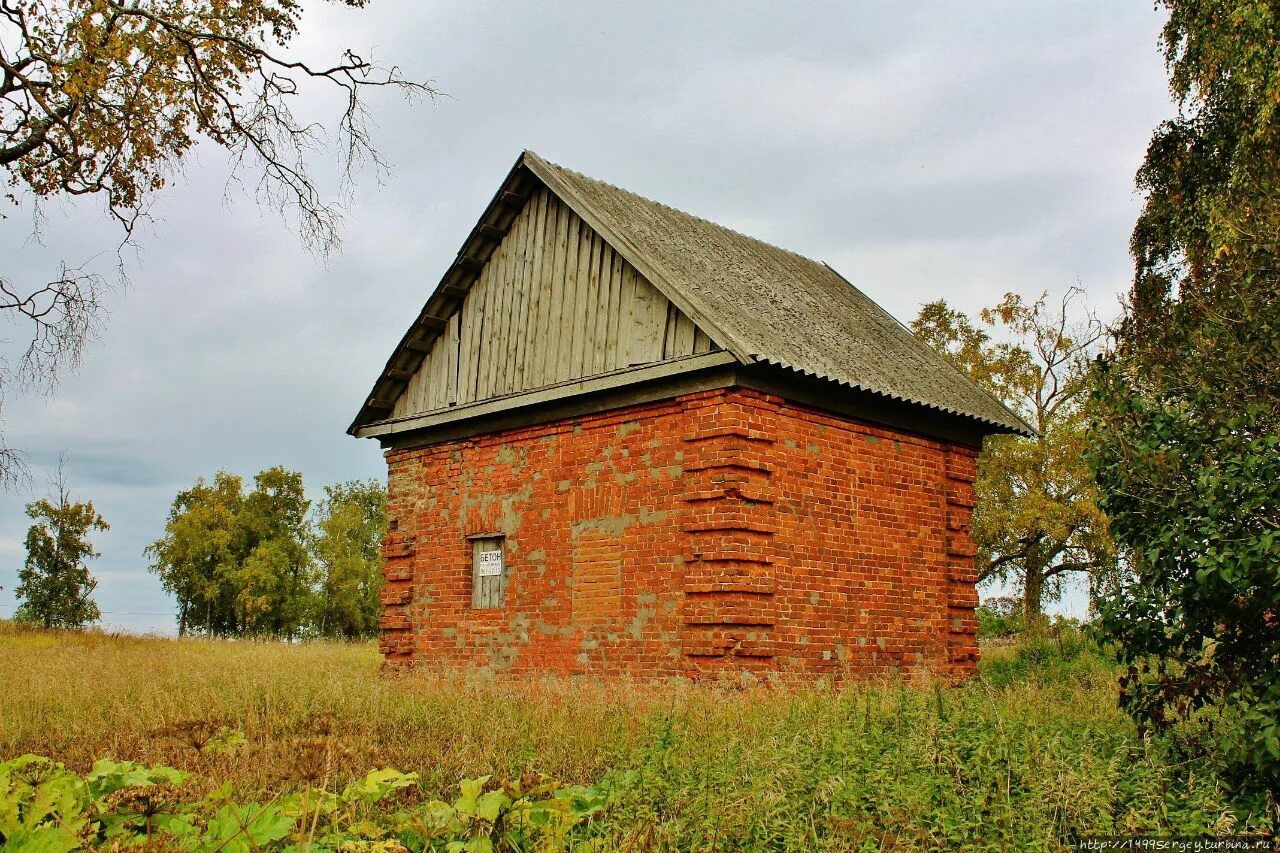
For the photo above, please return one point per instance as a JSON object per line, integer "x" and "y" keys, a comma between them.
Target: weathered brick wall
{"x": 720, "y": 531}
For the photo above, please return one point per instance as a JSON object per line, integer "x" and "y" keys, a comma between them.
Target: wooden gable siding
{"x": 554, "y": 303}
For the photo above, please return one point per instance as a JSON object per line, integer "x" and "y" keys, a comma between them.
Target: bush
{"x": 996, "y": 618}
{"x": 1057, "y": 652}
{"x": 45, "y": 807}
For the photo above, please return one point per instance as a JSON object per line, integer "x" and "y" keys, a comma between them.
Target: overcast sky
{"x": 953, "y": 150}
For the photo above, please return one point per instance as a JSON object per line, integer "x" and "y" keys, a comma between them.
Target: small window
{"x": 488, "y": 571}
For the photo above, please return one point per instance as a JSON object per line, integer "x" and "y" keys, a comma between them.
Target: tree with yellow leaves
{"x": 1037, "y": 521}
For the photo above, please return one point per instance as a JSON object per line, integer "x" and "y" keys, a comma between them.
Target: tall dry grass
{"x": 1029, "y": 756}
{"x": 81, "y": 696}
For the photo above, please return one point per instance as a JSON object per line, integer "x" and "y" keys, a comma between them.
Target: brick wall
{"x": 724, "y": 531}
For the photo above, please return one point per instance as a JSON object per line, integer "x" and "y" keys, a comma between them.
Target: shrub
{"x": 997, "y": 621}
{"x": 1056, "y": 652}
{"x": 45, "y": 807}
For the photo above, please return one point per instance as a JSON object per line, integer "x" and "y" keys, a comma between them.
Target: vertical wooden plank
{"x": 439, "y": 357}
{"x": 498, "y": 323}
{"x": 426, "y": 388}
{"x": 529, "y": 323}
{"x": 440, "y": 370}
{"x": 571, "y": 322}
{"x": 528, "y": 301}
{"x": 535, "y": 363}
{"x": 510, "y": 250}
{"x": 484, "y": 378}
{"x": 649, "y": 308}
{"x": 528, "y": 276}
{"x": 591, "y": 302}
{"x": 510, "y": 277}
{"x": 627, "y": 315}
{"x": 484, "y": 583}
{"x": 493, "y": 341}
{"x": 556, "y": 318}
{"x": 483, "y": 293}
{"x": 604, "y": 353}
{"x": 584, "y": 319}
{"x": 477, "y": 345}
{"x": 450, "y": 340}
{"x": 669, "y": 331}
{"x": 471, "y": 313}
{"x": 701, "y": 343}
{"x": 617, "y": 352}
{"x": 490, "y": 591}
{"x": 418, "y": 399}
{"x": 471, "y": 307}
{"x": 431, "y": 395}
{"x": 638, "y": 344}
{"x": 541, "y": 272}
{"x": 561, "y": 323}
{"x": 600, "y": 278}
{"x": 464, "y": 340}
{"x": 517, "y": 275}
{"x": 604, "y": 265}
{"x": 574, "y": 292}
{"x": 404, "y": 403}
{"x": 684, "y": 335}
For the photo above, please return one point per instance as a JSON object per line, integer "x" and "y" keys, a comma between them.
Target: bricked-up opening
{"x": 488, "y": 572}
{"x": 597, "y": 578}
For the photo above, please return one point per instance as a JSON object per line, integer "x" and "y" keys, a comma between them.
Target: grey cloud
{"x": 955, "y": 150}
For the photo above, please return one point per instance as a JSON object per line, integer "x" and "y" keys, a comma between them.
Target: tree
{"x": 1185, "y": 437}
{"x": 54, "y": 584}
{"x": 274, "y": 580}
{"x": 107, "y": 98}
{"x": 238, "y": 563}
{"x": 350, "y": 523}
{"x": 200, "y": 550}
{"x": 1037, "y": 520}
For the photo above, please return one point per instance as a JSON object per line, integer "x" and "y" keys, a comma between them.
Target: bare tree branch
{"x": 105, "y": 99}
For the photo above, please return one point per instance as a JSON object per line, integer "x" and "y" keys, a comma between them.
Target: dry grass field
{"x": 1029, "y": 756}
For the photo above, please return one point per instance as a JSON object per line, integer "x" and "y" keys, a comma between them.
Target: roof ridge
{"x": 664, "y": 206}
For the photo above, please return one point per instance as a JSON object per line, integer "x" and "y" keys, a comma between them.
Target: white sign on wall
{"x": 490, "y": 563}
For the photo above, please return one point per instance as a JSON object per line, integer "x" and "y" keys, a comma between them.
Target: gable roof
{"x": 761, "y": 303}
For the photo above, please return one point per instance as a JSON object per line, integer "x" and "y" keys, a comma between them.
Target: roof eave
{"x": 444, "y": 299}
{"x": 1015, "y": 425}
{"x": 1018, "y": 427}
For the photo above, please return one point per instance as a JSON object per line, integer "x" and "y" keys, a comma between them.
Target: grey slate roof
{"x": 775, "y": 306}
{"x": 759, "y": 302}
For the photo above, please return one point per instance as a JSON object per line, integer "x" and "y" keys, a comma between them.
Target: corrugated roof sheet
{"x": 776, "y": 306}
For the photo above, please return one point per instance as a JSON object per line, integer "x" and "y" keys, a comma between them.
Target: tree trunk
{"x": 1033, "y": 594}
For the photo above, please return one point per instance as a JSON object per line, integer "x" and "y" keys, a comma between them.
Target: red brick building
{"x": 622, "y": 439}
